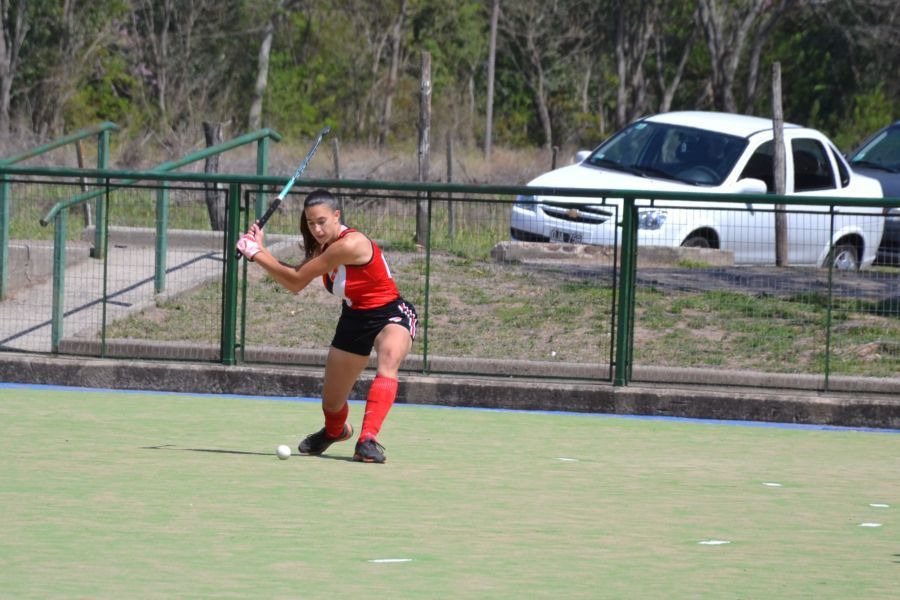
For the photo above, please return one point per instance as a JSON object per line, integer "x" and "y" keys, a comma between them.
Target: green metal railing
{"x": 102, "y": 131}
{"x": 58, "y": 214}
{"x": 241, "y": 188}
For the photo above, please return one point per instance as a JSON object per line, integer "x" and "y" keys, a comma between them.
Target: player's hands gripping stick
{"x": 248, "y": 246}
{"x": 275, "y": 203}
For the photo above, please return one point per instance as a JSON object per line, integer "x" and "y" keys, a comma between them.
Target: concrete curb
{"x": 532, "y": 369}
{"x": 599, "y": 255}
{"x": 788, "y": 406}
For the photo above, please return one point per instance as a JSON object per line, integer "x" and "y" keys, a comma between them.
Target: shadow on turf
{"x": 220, "y": 451}
{"x": 212, "y": 450}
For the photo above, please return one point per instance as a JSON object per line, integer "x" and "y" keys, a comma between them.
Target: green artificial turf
{"x": 130, "y": 495}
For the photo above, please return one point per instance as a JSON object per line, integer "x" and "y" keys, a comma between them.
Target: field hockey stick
{"x": 287, "y": 188}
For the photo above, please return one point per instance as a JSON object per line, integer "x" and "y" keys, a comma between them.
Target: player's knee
{"x": 390, "y": 357}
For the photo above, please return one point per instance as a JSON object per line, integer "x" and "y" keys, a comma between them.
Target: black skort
{"x": 357, "y": 329}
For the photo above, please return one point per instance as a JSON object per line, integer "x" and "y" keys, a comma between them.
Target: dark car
{"x": 879, "y": 158}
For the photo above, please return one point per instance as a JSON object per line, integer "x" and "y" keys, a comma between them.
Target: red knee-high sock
{"x": 334, "y": 421}
{"x": 378, "y": 403}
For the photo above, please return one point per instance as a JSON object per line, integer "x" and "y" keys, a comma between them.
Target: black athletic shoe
{"x": 318, "y": 442}
{"x": 369, "y": 451}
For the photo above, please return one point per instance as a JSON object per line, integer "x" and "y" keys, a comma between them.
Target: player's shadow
{"x": 326, "y": 456}
{"x": 220, "y": 451}
{"x": 211, "y": 450}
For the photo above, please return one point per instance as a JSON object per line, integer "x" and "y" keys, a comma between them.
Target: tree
{"x": 73, "y": 39}
{"x": 457, "y": 36}
{"x": 370, "y": 25}
{"x": 254, "y": 120}
{"x": 844, "y": 88}
{"x": 12, "y": 36}
{"x": 161, "y": 67}
{"x": 673, "y": 40}
{"x": 184, "y": 49}
{"x": 397, "y": 56}
{"x": 650, "y": 42}
{"x": 727, "y": 27}
{"x": 546, "y": 38}
{"x": 635, "y": 27}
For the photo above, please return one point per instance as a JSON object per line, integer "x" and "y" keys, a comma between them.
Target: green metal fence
{"x": 102, "y": 131}
{"x": 624, "y": 312}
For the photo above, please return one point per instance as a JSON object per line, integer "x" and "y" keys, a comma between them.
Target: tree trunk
{"x": 424, "y": 145}
{"x": 621, "y": 72}
{"x": 726, "y": 27}
{"x": 11, "y": 40}
{"x": 396, "y": 43}
{"x": 336, "y": 156}
{"x": 262, "y": 75}
{"x": 492, "y": 54}
{"x": 585, "y": 89}
{"x": 215, "y": 200}
{"x": 538, "y": 85}
{"x": 757, "y": 45}
{"x": 364, "y": 121}
{"x": 469, "y": 135}
{"x": 634, "y": 31}
{"x": 163, "y": 63}
{"x": 668, "y": 90}
{"x": 543, "y": 109}
{"x": 778, "y": 147}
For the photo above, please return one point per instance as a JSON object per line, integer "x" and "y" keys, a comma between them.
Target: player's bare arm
{"x": 352, "y": 249}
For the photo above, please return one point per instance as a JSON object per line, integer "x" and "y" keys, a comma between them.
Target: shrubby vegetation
{"x": 568, "y": 72}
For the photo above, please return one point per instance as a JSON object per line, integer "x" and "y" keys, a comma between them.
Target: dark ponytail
{"x": 316, "y": 197}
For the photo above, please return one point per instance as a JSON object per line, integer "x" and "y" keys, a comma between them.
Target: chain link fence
{"x": 489, "y": 302}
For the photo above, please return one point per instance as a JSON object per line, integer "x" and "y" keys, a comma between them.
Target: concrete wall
{"x": 31, "y": 262}
{"x": 789, "y": 406}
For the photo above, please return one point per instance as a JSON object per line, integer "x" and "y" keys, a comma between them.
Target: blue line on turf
{"x": 762, "y": 424}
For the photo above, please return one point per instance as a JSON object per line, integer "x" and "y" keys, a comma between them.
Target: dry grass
{"x": 508, "y": 166}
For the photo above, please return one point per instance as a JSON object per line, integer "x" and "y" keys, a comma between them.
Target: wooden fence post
{"x": 778, "y": 161}
{"x": 451, "y": 211}
{"x": 424, "y": 144}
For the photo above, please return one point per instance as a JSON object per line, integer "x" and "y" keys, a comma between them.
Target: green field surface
{"x": 109, "y": 494}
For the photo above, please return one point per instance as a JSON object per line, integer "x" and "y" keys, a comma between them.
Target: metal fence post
{"x": 229, "y": 289}
{"x": 427, "y": 287}
{"x": 262, "y": 166}
{"x": 830, "y": 309}
{"x": 60, "y": 224}
{"x": 105, "y": 303}
{"x": 100, "y": 204}
{"x": 4, "y": 236}
{"x": 162, "y": 237}
{"x": 624, "y": 330}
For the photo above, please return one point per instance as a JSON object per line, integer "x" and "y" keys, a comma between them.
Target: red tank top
{"x": 363, "y": 286}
